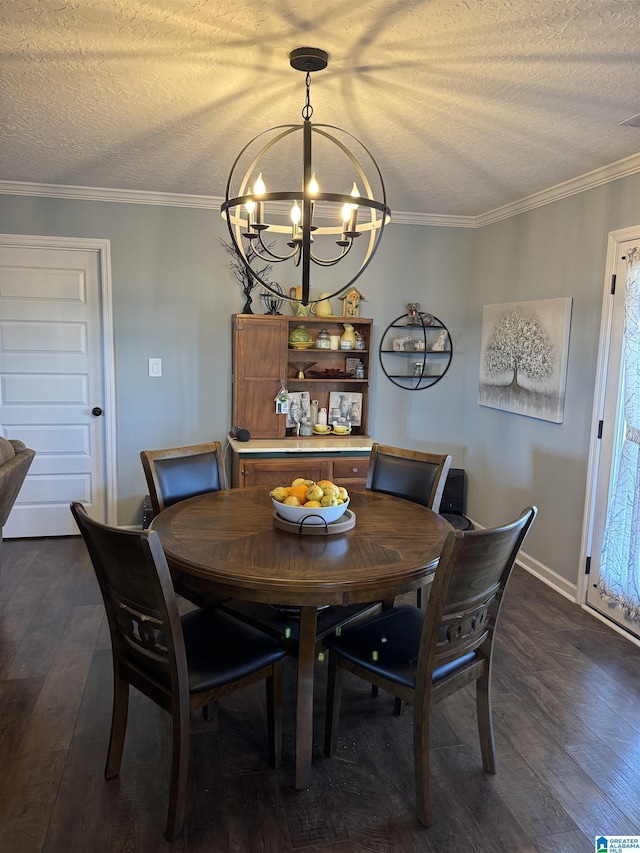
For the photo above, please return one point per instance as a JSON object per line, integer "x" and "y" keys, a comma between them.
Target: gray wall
{"x": 512, "y": 460}
{"x": 173, "y": 296}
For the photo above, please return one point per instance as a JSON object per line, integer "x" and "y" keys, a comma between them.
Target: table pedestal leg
{"x": 304, "y": 703}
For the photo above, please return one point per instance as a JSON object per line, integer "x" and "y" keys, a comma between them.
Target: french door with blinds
{"x": 614, "y": 579}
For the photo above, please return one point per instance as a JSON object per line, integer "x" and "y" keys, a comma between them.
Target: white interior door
{"x": 612, "y": 431}
{"x": 53, "y": 393}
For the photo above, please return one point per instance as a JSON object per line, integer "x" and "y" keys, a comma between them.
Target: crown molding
{"x": 442, "y": 220}
{"x": 590, "y": 180}
{"x": 110, "y": 195}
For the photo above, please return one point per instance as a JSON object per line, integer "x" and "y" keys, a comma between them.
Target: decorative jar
{"x": 348, "y": 337}
{"x": 323, "y": 306}
{"x": 323, "y": 341}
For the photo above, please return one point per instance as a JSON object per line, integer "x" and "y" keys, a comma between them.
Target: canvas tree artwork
{"x": 523, "y": 359}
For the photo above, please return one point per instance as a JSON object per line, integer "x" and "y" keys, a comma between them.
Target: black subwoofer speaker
{"x": 454, "y": 499}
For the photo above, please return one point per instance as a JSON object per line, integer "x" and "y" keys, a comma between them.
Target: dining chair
{"x": 425, "y": 656}
{"x": 409, "y": 474}
{"x": 177, "y": 473}
{"x": 181, "y": 663}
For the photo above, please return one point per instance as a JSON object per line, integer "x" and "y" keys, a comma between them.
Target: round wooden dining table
{"x": 226, "y": 544}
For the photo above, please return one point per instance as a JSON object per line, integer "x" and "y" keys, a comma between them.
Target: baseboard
{"x": 550, "y": 578}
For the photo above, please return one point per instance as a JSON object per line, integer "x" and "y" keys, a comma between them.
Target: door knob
{"x": 96, "y": 411}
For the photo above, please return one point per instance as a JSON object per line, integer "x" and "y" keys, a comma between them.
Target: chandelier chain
{"x": 307, "y": 110}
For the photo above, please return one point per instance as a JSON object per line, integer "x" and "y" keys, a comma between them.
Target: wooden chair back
{"x": 177, "y": 473}
{"x": 141, "y": 606}
{"x": 465, "y": 600}
{"x": 409, "y": 474}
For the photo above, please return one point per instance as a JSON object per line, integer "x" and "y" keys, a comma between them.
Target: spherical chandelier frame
{"x": 245, "y": 228}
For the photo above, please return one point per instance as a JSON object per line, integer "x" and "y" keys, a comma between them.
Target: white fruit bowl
{"x": 297, "y": 513}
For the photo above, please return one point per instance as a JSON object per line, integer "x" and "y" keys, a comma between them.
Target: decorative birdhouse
{"x": 351, "y": 303}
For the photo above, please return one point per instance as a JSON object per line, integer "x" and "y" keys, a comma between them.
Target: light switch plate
{"x": 155, "y": 367}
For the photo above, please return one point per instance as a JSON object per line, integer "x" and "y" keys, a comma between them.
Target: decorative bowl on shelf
{"x": 299, "y": 367}
{"x": 330, "y": 373}
{"x": 300, "y": 338}
{"x": 310, "y": 515}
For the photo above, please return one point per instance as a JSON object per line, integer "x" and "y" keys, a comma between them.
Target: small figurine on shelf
{"x": 441, "y": 344}
{"x": 351, "y": 303}
{"x": 413, "y": 314}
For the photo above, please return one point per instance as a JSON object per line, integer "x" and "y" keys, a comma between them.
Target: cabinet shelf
{"x": 414, "y": 378}
{"x": 349, "y": 353}
{"x": 415, "y": 327}
{"x": 328, "y": 381}
{"x": 416, "y": 352}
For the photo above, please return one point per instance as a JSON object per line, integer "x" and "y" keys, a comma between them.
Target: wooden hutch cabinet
{"x": 261, "y": 358}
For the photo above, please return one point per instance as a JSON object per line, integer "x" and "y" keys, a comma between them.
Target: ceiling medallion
{"x": 342, "y": 195}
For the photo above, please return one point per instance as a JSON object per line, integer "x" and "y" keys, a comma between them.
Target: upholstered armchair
{"x": 15, "y": 460}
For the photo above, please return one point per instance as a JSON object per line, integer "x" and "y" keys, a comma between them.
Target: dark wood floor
{"x": 567, "y": 715}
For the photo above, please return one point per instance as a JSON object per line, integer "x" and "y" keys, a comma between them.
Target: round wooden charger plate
{"x": 346, "y": 522}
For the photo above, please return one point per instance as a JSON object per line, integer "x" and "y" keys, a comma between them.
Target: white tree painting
{"x": 523, "y": 357}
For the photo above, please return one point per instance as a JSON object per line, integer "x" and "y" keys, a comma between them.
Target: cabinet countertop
{"x": 315, "y": 444}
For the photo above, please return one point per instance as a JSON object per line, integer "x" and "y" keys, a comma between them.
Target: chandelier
{"x": 285, "y": 225}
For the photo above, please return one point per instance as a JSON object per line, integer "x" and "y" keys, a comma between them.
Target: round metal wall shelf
{"x": 407, "y": 356}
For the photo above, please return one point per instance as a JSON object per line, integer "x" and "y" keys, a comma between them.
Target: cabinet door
{"x": 281, "y": 472}
{"x": 259, "y": 362}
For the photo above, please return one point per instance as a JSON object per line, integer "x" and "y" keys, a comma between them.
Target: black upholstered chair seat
{"x": 221, "y": 649}
{"x": 388, "y": 645}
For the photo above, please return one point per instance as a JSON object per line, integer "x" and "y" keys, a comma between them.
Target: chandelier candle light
{"x": 254, "y": 209}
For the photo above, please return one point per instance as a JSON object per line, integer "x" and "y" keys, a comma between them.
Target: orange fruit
{"x": 299, "y": 492}
{"x": 323, "y": 483}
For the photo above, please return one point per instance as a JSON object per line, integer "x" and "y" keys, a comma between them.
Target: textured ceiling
{"x": 466, "y": 106}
